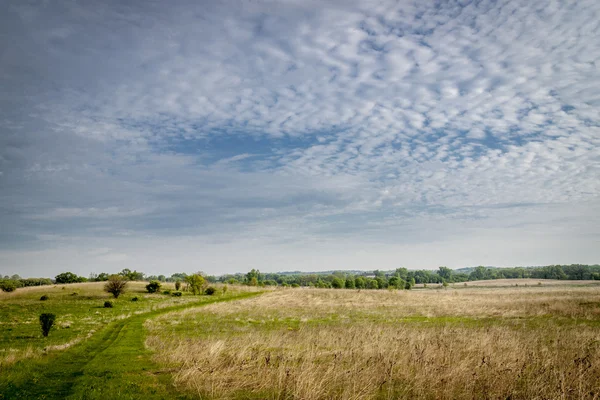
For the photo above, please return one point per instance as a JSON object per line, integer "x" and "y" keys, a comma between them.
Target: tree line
{"x": 400, "y": 278}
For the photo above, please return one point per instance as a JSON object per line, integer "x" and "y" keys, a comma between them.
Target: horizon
{"x": 298, "y": 135}
{"x": 348, "y": 271}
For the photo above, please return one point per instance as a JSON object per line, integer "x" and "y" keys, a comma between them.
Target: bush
{"x": 210, "y": 291}
{"x": 177, "y": 294}
{"x": 295, "y": 285}
{"x": 74, "y": 294}
{"x": 167, "y": 292}
{"x": 224, "y": 289}
{"x": 134, "y": 299}
{"x": 108, "y": 304}
{"x": 44, "y": 298}
{"x": 46, "y": 322}
{"x": 8, "y": 286}
{"x": 153, "y": 286}
{"x": 177, "y": 285}
{"x": 115, "y": 285}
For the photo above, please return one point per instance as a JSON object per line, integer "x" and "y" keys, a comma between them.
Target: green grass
{"x": 113, "y": 363}
{"x": 77, "y": 314}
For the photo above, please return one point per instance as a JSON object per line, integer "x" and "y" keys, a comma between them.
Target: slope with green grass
{"x": 113, "y": 363}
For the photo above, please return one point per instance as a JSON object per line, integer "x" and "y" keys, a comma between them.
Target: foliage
{"x": 153, "y": 287}
{"x": 44, "y": 298}
{"x": 134, "y": 299}
{"x": 115, "y": 285}
{"x": 46, "y": 322}
{"x": 177, "y": 294}
{"x": 210, "y": 291}
{"x": 108, "y": 304}
{"x": 132, "y": 275}
{"x": 69, "y": 277}
{"x": 8, "y": 285}
{"x": 195, "y": 283}
{"x": 337, "y": 283}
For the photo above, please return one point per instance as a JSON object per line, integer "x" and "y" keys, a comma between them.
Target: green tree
{"x": 360, "y": 282}
{"x": 195, "y": 283}
{"x": 445, "y": 273}
{"x": 350, "y": 284}
{"x": 337, "y": 283}
{"x": 68, "y": 277}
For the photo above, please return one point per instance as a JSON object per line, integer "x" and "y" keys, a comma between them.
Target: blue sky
{"x": 298, "y": 135}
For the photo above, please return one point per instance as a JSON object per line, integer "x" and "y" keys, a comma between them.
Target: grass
{"x": 113, "y": 363}
{"x": 80, "y": 312}
{"x": 491, "y": 342}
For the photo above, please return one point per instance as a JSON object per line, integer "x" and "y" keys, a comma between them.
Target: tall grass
{"x": 313, "y": 344}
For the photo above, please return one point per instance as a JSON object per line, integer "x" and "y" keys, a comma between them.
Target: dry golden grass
{"x": 534, "y": 343}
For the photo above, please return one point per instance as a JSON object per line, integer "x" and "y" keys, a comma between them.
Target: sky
{"x": 306, "y": 135}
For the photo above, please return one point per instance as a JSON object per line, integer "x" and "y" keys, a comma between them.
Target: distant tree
{"x": 372, "y": 284}
{"x": 69, "y": 277}
{"x": 132, "y": 275}
{"x": 252, "y": 277}
{"x": 115, "y": 285}
{"x": 350, "y": 283}
{"x": 337, "y": 283}
{"x": 445, "y": 273}
{"x": 195, "y": 283}
{"x": 162, "y": 278}
{"x": 360, "y": 282}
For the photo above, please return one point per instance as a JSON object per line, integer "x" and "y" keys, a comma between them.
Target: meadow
{"x": 504, "y": 339}
{"x": 533, "y": 342}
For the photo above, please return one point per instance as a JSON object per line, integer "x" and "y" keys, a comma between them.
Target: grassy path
{"x": 112, "y": 364}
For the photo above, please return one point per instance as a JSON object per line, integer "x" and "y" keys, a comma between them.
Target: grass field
{"x": 540, "y": 342}
{"x": 506, "y": 339}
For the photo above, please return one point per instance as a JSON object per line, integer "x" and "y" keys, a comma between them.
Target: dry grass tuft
{"x": 315, "y": 344}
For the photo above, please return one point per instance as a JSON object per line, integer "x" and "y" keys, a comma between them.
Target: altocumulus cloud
{"x": 292, "y": 134}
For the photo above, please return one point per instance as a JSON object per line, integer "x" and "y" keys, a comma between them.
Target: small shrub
{"x": 294, "y": 285}
{"x": 108, "y": 304}
{"x": 115, "y": 285}
{"x": 46, "y": 322}
{"x": 134, "y": 299}
{"x": 74, "y": 294}
{"x": 44, "y": 298}
{"x": 177, "y": 285}
{"x": 177, "y": 294}
{"x": 167, "y": 292}
{"x": 153, "y": 286}
{"x": 210, "y": 291}
{"x": 224, "y": 289}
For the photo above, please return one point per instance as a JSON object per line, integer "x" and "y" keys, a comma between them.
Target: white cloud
{"x": 298, "y": 119}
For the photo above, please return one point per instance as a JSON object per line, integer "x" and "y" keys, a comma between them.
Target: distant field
{"x": 505, "y": 342}
{"x": 488, "y": 339}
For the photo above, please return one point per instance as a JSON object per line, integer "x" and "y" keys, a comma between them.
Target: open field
{"x": 475, "y": 341}
{"x": 515, "y": 342}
